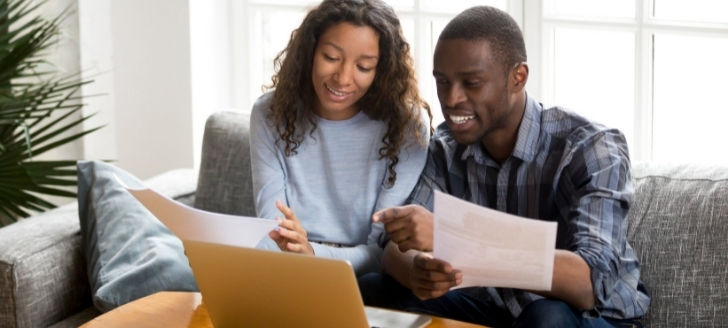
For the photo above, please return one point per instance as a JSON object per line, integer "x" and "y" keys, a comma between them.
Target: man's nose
{"x": 454, "y": 95}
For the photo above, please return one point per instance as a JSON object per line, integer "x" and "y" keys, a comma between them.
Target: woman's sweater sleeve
{"x": 267, "y": 169}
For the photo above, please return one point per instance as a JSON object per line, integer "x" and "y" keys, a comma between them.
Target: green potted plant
{"x": 39, "y": 111}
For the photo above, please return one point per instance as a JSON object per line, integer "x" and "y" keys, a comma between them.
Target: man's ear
{"x": 519, "y": 76}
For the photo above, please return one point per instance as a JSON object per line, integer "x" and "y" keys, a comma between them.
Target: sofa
{"x": 43, "y": 278}
{"x": 677, "y": 225}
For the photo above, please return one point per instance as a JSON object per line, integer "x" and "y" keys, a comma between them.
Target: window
{"x": 652, "y": 68}
{"x": 270, "y": 24}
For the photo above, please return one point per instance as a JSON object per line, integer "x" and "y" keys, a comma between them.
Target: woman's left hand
{"x": 290, "y": 235}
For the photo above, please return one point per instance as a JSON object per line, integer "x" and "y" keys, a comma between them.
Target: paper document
{"x": 492, "y": 248}
{"x": 192, "y": 224}
{"x": 378, "y": 317}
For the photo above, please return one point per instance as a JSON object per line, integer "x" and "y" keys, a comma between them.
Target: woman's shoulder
{"x": 423, "y": 126}
{"x": 261, "y": 107}
{"x": 264, "y": 101}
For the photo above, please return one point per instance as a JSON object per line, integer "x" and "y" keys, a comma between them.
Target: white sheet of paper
{"x": 492, "y": 248}
{"x": 193, "y": 224}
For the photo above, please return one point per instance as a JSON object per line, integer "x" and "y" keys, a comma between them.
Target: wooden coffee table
{"x": 185, "y": 309}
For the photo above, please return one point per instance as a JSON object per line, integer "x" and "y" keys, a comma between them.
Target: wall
{"x": 211, "y": 60}
{"x": 64, "y": 56}
{"x": 138, "y": 53}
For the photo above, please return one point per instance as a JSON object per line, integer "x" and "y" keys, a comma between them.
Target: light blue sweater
{"x": 334, "y": 183}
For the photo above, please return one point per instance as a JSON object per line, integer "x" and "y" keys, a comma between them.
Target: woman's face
{"x": 344, "y": 66}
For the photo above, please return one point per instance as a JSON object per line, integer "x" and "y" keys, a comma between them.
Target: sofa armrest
{"x": 42, "y": 275}
{"x": 42, "y": 269}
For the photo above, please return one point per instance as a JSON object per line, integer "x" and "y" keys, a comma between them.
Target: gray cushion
{"x": 678, "y": 226}
{"x": 130, "y": 254}
{"x": 225, "y": 184}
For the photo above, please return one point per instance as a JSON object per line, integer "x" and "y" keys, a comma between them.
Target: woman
{"x": 343, "y": 133}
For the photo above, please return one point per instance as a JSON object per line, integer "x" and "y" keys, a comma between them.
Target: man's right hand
{"x": 410, "y": 226}
{"x": 432, "y": 278}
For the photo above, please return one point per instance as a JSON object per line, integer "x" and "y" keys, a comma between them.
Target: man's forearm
{"x": 571, "y": 281}
{"x": 398, "y": 264}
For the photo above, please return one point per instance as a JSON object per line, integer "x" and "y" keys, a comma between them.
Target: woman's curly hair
{"x": 392, "y": 97}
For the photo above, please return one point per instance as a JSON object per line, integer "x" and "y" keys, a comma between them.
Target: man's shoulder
{"x": 564, "y": 123}
{"x": 442, "y": 134}
{"x": 578, "y": 139}
{"x": 443, "y": 144}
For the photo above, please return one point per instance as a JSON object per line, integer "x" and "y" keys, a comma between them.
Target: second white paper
{"x": 492, "y": 248}
{"x": 189, "y": 223}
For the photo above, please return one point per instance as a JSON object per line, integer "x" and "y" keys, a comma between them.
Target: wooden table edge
{"x": 185, "y": 309}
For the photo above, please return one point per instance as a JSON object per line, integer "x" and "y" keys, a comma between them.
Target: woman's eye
{"x": 329, "y": 58}
{"x": 365, "y": 69}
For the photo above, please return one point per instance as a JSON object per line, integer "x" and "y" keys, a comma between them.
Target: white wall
{"x": 138, "y": 53}
{"x": 64, "y": 56}
{"x": 211, "y": 63}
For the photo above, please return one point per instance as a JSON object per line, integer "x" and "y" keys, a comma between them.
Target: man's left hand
{"x": 409, "y": 226}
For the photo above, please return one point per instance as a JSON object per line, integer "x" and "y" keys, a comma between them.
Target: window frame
{"x": 537, "y": 26}
{"x": 243, "y": 29}
{"x": 643, "y": 25}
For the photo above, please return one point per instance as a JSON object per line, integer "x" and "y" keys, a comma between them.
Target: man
{"x": 501, "y": 149}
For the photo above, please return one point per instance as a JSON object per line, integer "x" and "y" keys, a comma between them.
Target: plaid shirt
{"x": 565, "y": 169}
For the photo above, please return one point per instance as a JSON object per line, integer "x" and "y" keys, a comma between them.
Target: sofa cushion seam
{"x": 13, "y": 290}
{"x": 680, "y": 179}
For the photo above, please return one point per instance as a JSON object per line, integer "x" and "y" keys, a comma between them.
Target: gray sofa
{"x": 42, "y": 269}
{"x": 677, "y": 226}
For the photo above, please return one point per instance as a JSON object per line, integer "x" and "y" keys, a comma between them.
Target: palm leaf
{"x": 39, "y": 111}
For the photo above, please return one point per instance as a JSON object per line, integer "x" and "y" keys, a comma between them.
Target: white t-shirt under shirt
{"x": 334, "y": 183}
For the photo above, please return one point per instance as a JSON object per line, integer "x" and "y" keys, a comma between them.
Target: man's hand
{"x": 290, "y": 235}
{"x": 432, "y": 278}
{"x": 410, "y": 226}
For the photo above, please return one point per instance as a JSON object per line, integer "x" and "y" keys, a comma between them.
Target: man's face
{"x": 472, "y": 86}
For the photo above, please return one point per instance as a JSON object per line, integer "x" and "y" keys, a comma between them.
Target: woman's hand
{"x": 290, "y": 236}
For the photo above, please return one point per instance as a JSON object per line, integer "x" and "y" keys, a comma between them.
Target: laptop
{"x": 248, "y": 287}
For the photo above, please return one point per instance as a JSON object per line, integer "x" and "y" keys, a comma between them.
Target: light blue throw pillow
{"x": 129, "y": 253}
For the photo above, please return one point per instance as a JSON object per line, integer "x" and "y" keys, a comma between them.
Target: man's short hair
{"x": 493, "y": 25}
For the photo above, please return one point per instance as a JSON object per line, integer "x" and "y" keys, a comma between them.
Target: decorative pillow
{"x": 129, "y": 253}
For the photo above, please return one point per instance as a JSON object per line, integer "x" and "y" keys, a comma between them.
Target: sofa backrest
{"x": 224, "y": 184}
{"x": 678, "y": 225}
